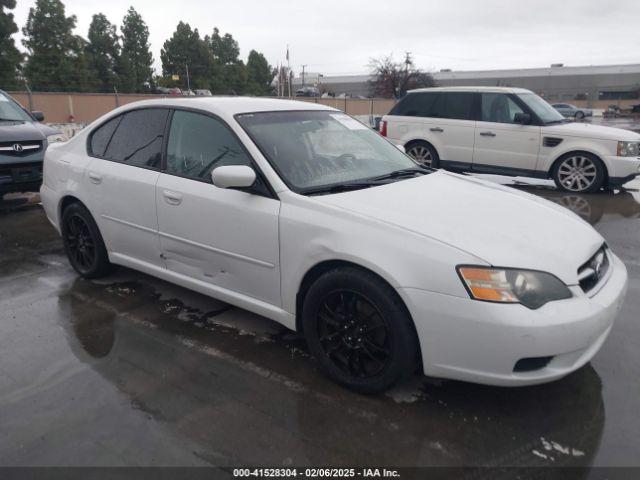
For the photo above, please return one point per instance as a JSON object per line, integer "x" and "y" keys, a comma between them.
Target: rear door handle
{"x": 436, "y": 129}
{"x": 487, "y": 134}
{"x": 95, "y": 178}
{"x": 172, "y": 198}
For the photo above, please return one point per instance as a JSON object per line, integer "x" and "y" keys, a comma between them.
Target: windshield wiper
{"x": 553, "y": 122}
{"x": 11, "y": 120}
{"x": 340, "y": 187}
{"x": 405, "y": 172}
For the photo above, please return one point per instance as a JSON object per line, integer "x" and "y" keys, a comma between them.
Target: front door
{"x": 225, "y": 237}
{"x": 501, "y": 145}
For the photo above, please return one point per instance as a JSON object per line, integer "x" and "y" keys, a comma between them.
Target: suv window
{"x": 499, "y": 108}
{"x": 456, "y": 105}
{"x": 102, "y": 135}
{"x": 199, "y": 143}
{"x": 138, "y": 138}
{"x": 415, "y": 105}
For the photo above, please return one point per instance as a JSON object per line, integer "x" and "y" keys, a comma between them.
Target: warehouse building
{"x": 596, "y": 86}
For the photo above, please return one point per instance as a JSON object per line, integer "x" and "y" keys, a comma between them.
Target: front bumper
{"x": 20, "y": 177}
{"x": 481, "y": 342}
{"x": 622, "y": 169}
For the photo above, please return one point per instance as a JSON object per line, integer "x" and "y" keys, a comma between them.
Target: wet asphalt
{"x": 130, "y": 370}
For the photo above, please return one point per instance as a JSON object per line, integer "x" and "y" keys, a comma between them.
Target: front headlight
{"x": 504, "y": 285}
{"x": 628, "y": 149}
{"x": 56, "y": 137}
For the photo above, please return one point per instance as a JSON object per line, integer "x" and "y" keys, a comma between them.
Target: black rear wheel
{"x": 359, "y": 330}
{"x": 83, "y": 242}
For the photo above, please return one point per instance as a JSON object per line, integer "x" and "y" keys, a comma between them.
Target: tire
{"x": 579, "y": 115}
{"x": 359, "y": 330}
{"x": 83, "y": 243}
{"x": 423, "y": 153}
{"x": 579, "y": 172}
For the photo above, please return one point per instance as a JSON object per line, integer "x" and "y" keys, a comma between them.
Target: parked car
{"x": 307, "y": 92}
{"x": 568, "y": 110}
{"x": 23, "y": 141}
{"x": 203, "y": 93}
{"x": 510, "y": 131}
{"x": 302, "y": 214}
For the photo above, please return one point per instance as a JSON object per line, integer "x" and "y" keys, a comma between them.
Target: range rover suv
{"x": 510, "y": 131}
{"x": 23, "y": 141}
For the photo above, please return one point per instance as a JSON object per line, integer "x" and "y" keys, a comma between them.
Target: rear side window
{"x": 455, "y": 105}
{"x": 138, "y": 138}
{"x": 415, "y": 105}
{"x": 101, "y": 136}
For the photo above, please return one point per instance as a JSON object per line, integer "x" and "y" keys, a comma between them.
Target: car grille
{"x": 594, "y": 270}
{"x": 20, "y": 149}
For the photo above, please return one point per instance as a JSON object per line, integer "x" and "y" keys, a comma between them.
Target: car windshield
{"x": 11, "y": 111}
{"x": 312, "y": 150}
{"x": 541, "y": 108}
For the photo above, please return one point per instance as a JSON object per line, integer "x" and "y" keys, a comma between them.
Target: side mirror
{"x": 39, "y": 116}
{"x": 233, "y": 176}
{"x": 401, "y": 148}
{"x": 522, "y": 118}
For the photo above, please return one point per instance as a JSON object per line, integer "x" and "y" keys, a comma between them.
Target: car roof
{"x": 229, "y": 106}
{"x": 472, "y": 89}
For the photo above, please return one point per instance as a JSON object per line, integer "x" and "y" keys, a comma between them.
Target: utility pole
{"x": 407, "y": 62}
{"x": 186, "y": 66}
{"x": 303, "y": 67}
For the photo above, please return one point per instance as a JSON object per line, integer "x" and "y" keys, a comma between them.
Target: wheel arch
{"x": 65, "y": 201}
{"x": 322, "y": 267}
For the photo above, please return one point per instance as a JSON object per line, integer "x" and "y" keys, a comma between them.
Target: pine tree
{"x": 186, "y": 49}
{"x": 10, "y": 57}
{"x": 259, "y": 74}
{"x": 56, "y": 56}
{"x": 103, "y": 52}
{"x": 231, "y": 73}
{"x": 136, "y": 60}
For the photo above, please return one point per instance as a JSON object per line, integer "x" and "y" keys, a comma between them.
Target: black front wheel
{"x": 359, "y": 330}
{"x": 83, "y": 242}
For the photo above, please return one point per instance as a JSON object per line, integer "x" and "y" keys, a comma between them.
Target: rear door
{"x": 122, "y": 179}
{"x": 450, "y": 128}
{"x": 501, "y": 145}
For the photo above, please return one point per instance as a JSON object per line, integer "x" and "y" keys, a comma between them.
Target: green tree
{"x": 103, "y": 52}
{"x": 136, "y": 61}
{"x": 186, "y": 49}
{"x": 56, "y": 56}
{"x": 231, "y": 74}
{"x": 10, "y": 57}
{"x": 259, "y": 74}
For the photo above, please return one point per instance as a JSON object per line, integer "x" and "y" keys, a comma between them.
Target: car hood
{"x": 588, "y": 130}
{"x": 501, "y": 226}
{"x": 24, "y": 131}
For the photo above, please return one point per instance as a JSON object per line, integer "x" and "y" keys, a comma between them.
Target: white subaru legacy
{"x": 510, "y": 131}
{"x": 298, "y": 212}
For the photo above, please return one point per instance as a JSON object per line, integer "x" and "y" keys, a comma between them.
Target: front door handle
{"x": 95, "y": 178}
{"x": 172, "y": 198}
{"x": 487, "y": 134}
{"x": 436, "y": 129}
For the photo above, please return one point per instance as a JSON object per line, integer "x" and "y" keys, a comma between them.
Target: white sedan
{"x": 298, "y": 212}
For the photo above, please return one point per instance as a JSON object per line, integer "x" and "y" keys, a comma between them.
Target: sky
{"x": 339, "y": 37}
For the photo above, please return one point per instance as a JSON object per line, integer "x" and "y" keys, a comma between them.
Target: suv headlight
{"x": 505, "y": 285}
{"x": 628, "y": 149}
{"x": 57, "y": 137}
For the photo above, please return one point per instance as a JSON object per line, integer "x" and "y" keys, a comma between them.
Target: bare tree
{"x": 392, "y": 79}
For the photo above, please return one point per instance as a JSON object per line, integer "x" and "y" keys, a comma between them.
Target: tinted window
{"x": 415, "y": 105}
{"x": 498, "y": 107}
{"x": 138, "y": 138}
{"x": 198, "y": 144}
{"x": 101, "y": 136}
{"x": 458, "y": 105}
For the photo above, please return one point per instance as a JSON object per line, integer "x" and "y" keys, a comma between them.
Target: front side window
{"x": 541, "y": 108}
{"x": 198, "y": 144}
{"x": 314, "y": 149}
{"x": 499, "y": 108}
{"x": 137, "y": 139}
{"x": 454, "y": 105}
